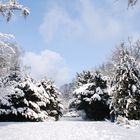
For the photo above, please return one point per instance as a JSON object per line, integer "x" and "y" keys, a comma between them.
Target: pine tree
{"x": 23, "y": 101}
{"x": 55, "y": 108}
{"x": 93, "y": 98}
{"x": 84, "y": 78}
{"x": 126, "y": 86}
{"x": 28, "y": 100}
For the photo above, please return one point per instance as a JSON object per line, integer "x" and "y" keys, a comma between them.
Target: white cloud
{"x": 94, "y": 23}
{"x": 47, "y": 63}
{"x": 55, "y": 19}
{"x": 97, "y": 23}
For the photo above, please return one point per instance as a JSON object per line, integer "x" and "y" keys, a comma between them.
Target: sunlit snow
{"x": 70, "y": 129}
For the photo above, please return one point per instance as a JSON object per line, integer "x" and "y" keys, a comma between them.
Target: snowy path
{"x": 67, "y": 130}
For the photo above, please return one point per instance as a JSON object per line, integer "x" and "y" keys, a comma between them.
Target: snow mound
{"x": 122, "y": 121}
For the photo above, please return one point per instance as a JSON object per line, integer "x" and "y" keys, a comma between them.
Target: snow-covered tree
{"x": 84, "y": 78}
{"x": 7, "y": 8}
{"x": 10, "y": 60}
{"x": 134, "y": 48}
{"x": 67, "y": 90}
{"x": 81, "y": 79}
{"x": 55, "y": 108}
{"x": 126, "y": 86}
{"x": 29, "y": 100}
{"x": 107, "y": 69}
{"x": 92, "y": 97}
{"x": 6, "y": 51}
{"x": 23, "y": 101}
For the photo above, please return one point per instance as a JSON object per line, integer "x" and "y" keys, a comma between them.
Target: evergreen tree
{"x": 93, "y": 98}
{"x": 126, "y": 86}
{"x": 84, "y": 78}
{"x": 28, "y": 100}
{"x": 55, "y": 107}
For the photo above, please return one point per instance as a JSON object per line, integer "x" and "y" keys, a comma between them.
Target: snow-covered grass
{"x": 67, "y": 130}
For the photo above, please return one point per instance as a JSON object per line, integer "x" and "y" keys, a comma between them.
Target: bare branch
{"x": 132, "y": 2}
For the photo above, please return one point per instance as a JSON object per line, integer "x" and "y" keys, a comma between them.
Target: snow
{"x": 35, "y": 106}
{"x": 96, "y": 97}
{"x": 99, "y": 91}
{"x": 67, "y": 130}
{"x": 72, "y": 114}
{"x": 122, "y": 121}
{"x": 129, "y": 101}
{"x": 83, "y": 88}
{"x": 134, "y": 88}
{"x": 61, "y": 106}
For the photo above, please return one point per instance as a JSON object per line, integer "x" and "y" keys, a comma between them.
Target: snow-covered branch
{"x": 7, "y": 8}
{"x": 5, "y": 42}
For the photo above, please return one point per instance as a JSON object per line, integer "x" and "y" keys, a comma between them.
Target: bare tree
{"x": 6, "y": 52}
{"x": 134, "y": 48}
{"x": 10, "y": 61}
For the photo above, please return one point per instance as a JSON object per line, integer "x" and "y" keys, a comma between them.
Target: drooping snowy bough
{"x": 7, "y": 8}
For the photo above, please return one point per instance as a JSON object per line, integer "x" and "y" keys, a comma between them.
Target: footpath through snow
{"x": 73, "y": 129}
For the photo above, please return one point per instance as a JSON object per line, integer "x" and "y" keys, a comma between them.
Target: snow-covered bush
{"x": 6, "y": 53}
{"x": 126, "y": 86}
{"x": 92, "y": 97}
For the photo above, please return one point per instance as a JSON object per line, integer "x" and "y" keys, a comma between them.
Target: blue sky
{"x": 62, "y": 37}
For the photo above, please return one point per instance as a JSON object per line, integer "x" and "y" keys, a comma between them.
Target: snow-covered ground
{"x": 74, "y": 129}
